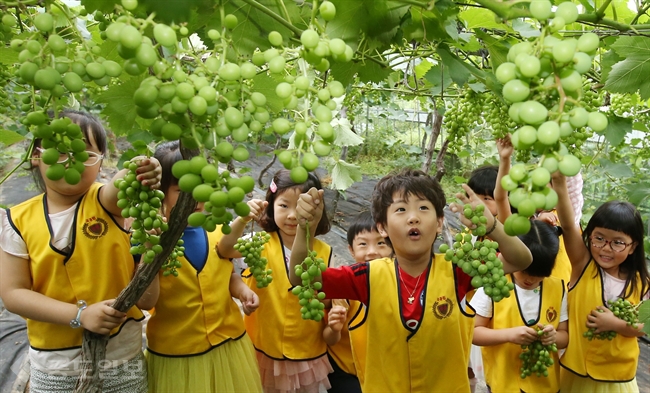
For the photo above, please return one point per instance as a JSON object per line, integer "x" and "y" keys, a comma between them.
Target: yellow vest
{"x": 434, "y": 357}
{"x": 358, "y": 331}
{"x": 277, "y": 328}
{"x": 600, "y": 360}
{"x": 98, "y": 268}
{"x": 341, "y": 352}
{"x": 562, "y": 268}
{"x": 502, "y": 363}
{"x": 195, "y": 312}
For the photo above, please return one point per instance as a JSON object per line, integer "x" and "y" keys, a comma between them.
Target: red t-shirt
{"x": 351, "y": 282}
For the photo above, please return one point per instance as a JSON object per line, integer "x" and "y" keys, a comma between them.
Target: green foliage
{"x": 631, "y": 74}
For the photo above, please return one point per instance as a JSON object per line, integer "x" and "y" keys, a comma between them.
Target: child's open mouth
{"x": 414, "y": 233}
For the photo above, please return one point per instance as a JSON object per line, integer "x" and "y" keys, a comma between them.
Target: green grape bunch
{"x": 622, "y": 309}
{"x": 536, "y": 358}
{"x": 543, "y": 84}
{"x": 479, "y": 259}
{"x": 63, "y": 147}
{"x": 251, "y": 247}
{"x": 309, "y": 295}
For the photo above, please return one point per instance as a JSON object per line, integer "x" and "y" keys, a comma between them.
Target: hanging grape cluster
{"x": 542, "y": 81}
{"x": 462, "y": 117}
{"x": 251, "y": 247}
{"x": 479, "y": 259}
{"x": 622, "y": 309}
{"x": 536, "y": 358}
{"x": 142, "y": 204}
{"x": 310, "y": 299}
{"x": 63, "y": 144}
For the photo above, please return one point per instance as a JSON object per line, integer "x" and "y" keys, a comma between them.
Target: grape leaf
{"x": 637, "y": 192}
{"x": 344, "y": 134}
{"x": 644, "y": 315}
{"x": 475, "y": 18}
{"x": 439, "y": 78}
{"x": 618, "y": 171}
{"x": 344, "y": 175}
{"x": 524, "y": 29}
{"x": 631, "y": 74}
{"x": 609, "y": 58}
{"x": 98, "y": 5}
{"x": 423, "y": 68}
{"x": 266, "y": 85}
{"x": 498, "y": 51}
{"x": 119, "y": 107}
{"x": 8, "y": 55}
{"x": 617, "y": 128}
{"x": 8, "y": 138}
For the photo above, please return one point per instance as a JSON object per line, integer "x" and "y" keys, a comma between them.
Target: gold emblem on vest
{"x": 551, "y": 314}
{"x": 443, "y": 307}
{"x": 94, "y": 228}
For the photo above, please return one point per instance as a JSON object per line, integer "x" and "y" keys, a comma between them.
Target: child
{"x": 196, "y": 341}
{"x": 562, "y": 269}
{"x": 347, "y": 352}
{"x": 414, "y": 345}
{"x": 482, "y": 181}
{"x": 608, "y": 263}
{"x": 539, "y": 303}
{"x": 291, "y": 353}
{"x": 65, "y": 257}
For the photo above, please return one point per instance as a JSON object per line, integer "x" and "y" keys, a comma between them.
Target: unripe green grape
{"x": 327, "y": 10}
{"x": 540, "y": 9}
{"x": 230, "y": 21}
{"x": 309, "y": 39}
{"x": 275, "y": 38}
{"x": 567, "y": 11}
{"x": 44, "y": 22}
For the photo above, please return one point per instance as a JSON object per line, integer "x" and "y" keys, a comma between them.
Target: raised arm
{"x": 225, "y": 247}
{"x": 505, "y": 149}
{"x": 575, "y": 247}
{"x": 308, "y": 212}
{"x": 515, "y": 255}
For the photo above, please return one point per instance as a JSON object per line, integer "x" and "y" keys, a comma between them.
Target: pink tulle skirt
{"x": 289, "y": 376}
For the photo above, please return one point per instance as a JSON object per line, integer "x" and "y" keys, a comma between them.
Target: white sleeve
{"x": 10, "y": 240}
{"x": 482, "y": 303}
{"x": 564, "y": 312}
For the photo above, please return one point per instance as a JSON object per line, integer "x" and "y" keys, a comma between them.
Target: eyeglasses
{"x": 92, "y": 158}
{"x": 615, "y": 245}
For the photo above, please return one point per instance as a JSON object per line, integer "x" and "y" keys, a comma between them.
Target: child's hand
{"x": 504, "y": 147}
{"x": 472, "y": 200}
{"x": 249, "y": 301}
{"x": 257, "y": 207}
{"x": 603, "y": 320}
{"x": 336, "y": 318}
{"x": 149, "y": 172}
{"x": 548, "y": 337}
{"x": 310, "y": 207}
{"x": 522, "y": 335}
{"x": 101, "y": 318}
{"x": 548, "y": 217}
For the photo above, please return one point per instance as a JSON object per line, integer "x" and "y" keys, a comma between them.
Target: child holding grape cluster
{"x": 608, "y": 263}
{"x": 291, "y": 353}
{"x": 414, "y": 345}
{"x": 196, "y": 341}
{"x": 538, "y": 305}
{"x": 65, "y": 257}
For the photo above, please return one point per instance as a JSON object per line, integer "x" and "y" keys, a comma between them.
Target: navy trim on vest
{"x": 198, "y": 353}
{"x": 292, "y": 360}
{"x": 11, "y": 222}
{"x": 521, "y": 313}
{"x": 49, "y": 228}
{"x": 111, "y": 215}
{"x": 362, "y": 308}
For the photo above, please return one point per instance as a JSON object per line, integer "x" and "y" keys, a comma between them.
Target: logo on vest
{"x": 443, "y": 307}
{"x": 94, "y": 228}
{"x": 551, "y": 314}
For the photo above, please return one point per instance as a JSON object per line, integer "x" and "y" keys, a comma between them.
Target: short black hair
{"x": 408, "y": 182}
{"x": 483, "y": 180}
{"x": 283, "y": 182}
{"x": 544, "y": 243}
{"x": 362, "y": 223}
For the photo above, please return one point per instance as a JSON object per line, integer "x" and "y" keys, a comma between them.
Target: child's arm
{"x": 559, "y": 337}
{"x": 19, "y": 298}
{"x": 308, "y": 212}
{"x": 515, "y": 255}
{"x": 335, "y": 320}
{"x": 505, "y": 149}
{"x": 149, "y": 174}
{"x": 238, "y": 289}
{"x": 604, "y": 320}
{"x": 485, "y": 337}
{"x": 575, "y": 247}
{"x": 225, "y": 247}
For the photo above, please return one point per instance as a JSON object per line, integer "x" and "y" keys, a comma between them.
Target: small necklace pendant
{"x": 410, "y": 300}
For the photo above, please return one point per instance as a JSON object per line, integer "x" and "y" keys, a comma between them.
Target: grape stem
{"x": 275, "y": 16}
{"x": 601, "y": 11}
{"x": 26, "y": 158}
